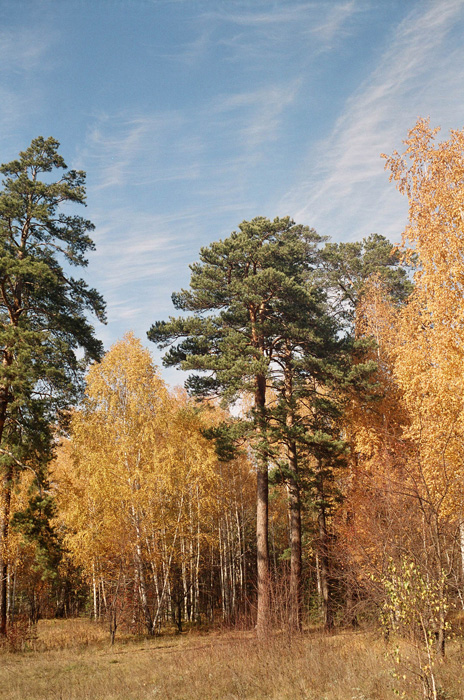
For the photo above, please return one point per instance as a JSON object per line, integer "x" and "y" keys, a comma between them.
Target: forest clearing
{"x": 72, "y": 660}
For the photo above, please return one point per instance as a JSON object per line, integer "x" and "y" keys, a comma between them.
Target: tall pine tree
{"x": 42, "y": 314}
{"x": 251, "y": 304}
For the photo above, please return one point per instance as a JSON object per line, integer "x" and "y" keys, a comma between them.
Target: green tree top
{"x": 347, "y": 267}
{"x": 43, "y": 308}
{"x": 238, "y": 293}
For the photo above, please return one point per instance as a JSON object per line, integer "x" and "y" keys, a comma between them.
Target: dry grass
{"x": 72, "y": 660}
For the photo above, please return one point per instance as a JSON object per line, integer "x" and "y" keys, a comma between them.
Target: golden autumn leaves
{"x": 419, "y": 347}
{"x": 138, "y": 488}
{"x": 141, "y": 494}
{"x": 430, "y": 331}
{"x": 404, "y": 506}
{"x": 143, "y": 486}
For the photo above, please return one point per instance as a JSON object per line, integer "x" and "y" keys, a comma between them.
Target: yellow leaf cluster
{"x": 138, "y": 476}
{"x": 430, "y": 342}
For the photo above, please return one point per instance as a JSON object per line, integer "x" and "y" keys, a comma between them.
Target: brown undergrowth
{"x": 72, "y": 660}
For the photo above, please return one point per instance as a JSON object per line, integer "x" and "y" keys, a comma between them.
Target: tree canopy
{"x": 43, "y": 310}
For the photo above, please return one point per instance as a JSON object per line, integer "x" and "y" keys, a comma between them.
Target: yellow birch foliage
{"x": 374, "y": 428}
{"x": 374, "y": 421}
{"x": 18, "y": 549}
{"x": 429, "y": 354}
{"x": 139, "y": 468}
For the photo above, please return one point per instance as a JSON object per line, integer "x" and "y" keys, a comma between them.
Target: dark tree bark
{"x": 295, "y": 554}
{"x": 5, "y": 527}
{"x": 324, "y": 562}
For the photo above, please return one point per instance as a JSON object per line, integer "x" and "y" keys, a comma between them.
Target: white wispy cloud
{"x": 217, "y": 152}
{"x": 335, "y": 21}
{"x": 24, "y": 54}
{"x": 134, "y": 265}
{"x": 253, "y": 31}
{"x": 139, "y": 249}
{"x": 236, "y": 129}
{"x": 124, "y": 148}
{"x": 145, "y": 150}
{"x": 135, "y": 244}
{"x": 420, "y": 74}
{"x": 264, "y": 14}
{"x": 195, "y": 50}
{"x": 255, "y": 116}
{"x": 24, "y": 50}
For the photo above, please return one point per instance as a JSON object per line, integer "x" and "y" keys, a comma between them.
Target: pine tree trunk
{"x": 294, "y": 502}
{"x": 262, "y": 621}
{"x": 244, "y": 549}
{"x": 262, "y": 517}
{"x": 295, "y": 554}
{"x": 241, "y": 555}
{"x": 5, "y": 500}
{"x": 5, "y": 528}
{"x": 196, "y": 589}
{"x": 325, "y": 570}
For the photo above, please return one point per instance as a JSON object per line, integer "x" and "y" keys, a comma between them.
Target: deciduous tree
{"x": 140, "y": 495}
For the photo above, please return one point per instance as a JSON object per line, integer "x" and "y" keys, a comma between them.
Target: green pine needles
{"x": 42, "y": 307}
{"x": 43, "y": 313}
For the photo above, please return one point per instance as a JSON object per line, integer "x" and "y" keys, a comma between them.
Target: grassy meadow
{"x": 73, "y": 660}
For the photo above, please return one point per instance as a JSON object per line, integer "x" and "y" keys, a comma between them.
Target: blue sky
{"x": 190, "y": 116}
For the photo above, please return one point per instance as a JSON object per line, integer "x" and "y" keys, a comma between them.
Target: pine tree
{"x": 346, "y": 267}
{"x": 309, "y": 364}
{"x": 247, "y": 296}
{"x": 42, "y": 312}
